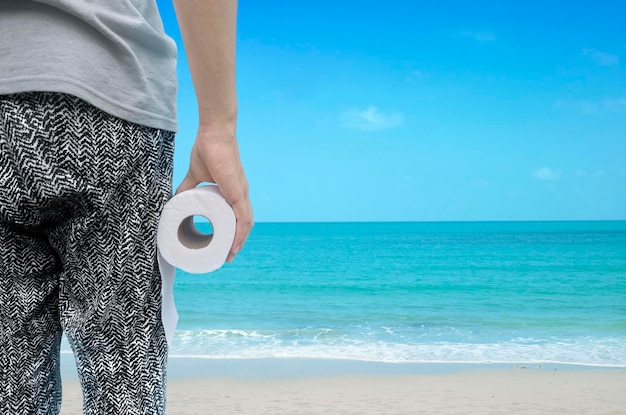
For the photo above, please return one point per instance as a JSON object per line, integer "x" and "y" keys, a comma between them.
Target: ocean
{"x": 418, "y": 292}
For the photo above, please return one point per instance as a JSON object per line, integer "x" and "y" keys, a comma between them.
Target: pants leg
{"x": 110, "y": 290}
{"x": 30, "y": 333}
{"x": 30, "y": 330}
{"x": 96, "y": 191}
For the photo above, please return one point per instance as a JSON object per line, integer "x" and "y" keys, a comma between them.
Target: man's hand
{"x": 215, "y": 158}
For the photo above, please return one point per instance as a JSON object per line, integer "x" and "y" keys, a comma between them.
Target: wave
{"x": 242, "y": 344}
{"x": 326, "y": 343}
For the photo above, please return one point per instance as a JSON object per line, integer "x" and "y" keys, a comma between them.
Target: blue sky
{"x": 404, "y": 111}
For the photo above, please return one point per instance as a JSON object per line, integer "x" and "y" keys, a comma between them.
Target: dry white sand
{"x": 498, "y": 391}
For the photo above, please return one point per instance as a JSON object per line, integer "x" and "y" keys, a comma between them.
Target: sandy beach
{"x": 518, "y": 389}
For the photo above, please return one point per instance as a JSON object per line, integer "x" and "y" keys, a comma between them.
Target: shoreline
{"x": 180, "y": 368}
{"x": 187, "y": 368}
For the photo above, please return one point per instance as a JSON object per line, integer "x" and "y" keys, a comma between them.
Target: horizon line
{"x": 443, "y": 221}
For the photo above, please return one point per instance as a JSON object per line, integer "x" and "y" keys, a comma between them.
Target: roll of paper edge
{"x": 181, "y": 245}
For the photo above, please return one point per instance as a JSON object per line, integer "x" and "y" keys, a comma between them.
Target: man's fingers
{"x": 187, "y": 183}
{"x": 245, "y": 222}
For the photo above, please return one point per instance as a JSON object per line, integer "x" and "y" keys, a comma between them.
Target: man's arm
{"x": 209, "y": 29}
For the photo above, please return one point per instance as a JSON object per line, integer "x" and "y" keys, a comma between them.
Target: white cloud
{"x": 480, "y": 37}
{"x": 547, "y": 174}
{"x": 601, "y": 58}
{"x": 370, "y": 119}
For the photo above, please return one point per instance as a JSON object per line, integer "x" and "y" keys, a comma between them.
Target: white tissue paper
{"x": 182, "y": 246}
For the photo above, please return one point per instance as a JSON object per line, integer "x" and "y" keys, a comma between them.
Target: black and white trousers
{"x": 80, "y": 196}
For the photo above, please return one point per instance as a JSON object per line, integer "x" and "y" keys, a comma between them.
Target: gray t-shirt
{"x": 113, "y": 54}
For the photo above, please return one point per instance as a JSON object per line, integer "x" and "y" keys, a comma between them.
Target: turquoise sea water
{"x": 463, "y": 292}
{"x": 447, "y": 292}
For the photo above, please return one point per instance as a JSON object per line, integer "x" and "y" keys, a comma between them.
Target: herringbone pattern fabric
{"x": 80, "y": 196}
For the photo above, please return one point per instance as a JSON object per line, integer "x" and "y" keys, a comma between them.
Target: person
{"x": 87, "y": 122}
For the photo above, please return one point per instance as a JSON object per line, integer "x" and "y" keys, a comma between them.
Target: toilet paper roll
{"x": 182, "y": 246}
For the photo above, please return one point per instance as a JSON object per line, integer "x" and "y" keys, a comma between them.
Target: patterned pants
{"x": 80, "y": 196}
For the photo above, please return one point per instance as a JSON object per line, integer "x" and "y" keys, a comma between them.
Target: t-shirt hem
{"x": 106, "y": 104}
